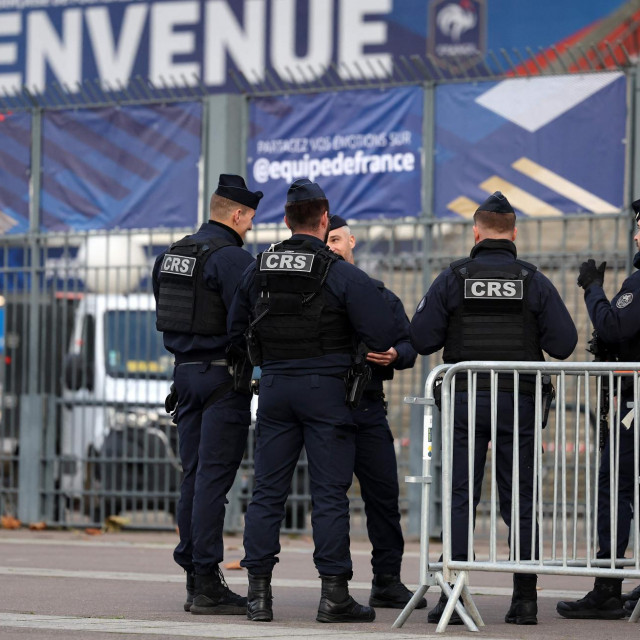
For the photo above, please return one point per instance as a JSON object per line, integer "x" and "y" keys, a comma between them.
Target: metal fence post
{"x": 31, "y": 403}
{"x": 223, "y": 151}
{"x": 428, "y": 145}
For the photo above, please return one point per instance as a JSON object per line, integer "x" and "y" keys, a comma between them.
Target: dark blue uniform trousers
{"x": 297, "y": 410}
{"x": 212, "y": 443}
{"x": 503, "y": 450}
{"x": 377, "y": 471}
{"x": 625, "y": 489}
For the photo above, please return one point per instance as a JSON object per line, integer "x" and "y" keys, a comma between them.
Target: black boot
{"x": 436, "y": 613}
{"x": 632, "y": 595}
{"x": 387, "y": 592}
{"x": 191, "y": 584}
{"x": 259, "y": 598}
{"x": 524, "y": 602}
{"x": 630, "y": 600}
{"x": 603, "y": 603}
{"x": 213, "y": 597}
{"x": 336, "y": 605}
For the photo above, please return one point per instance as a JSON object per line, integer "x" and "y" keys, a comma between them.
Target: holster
{"x": 171, "y": 403}
{"x": 358, "y": 378}
{"x": 548, "y": 396}
{"x": 254, "y": 348}
{"x": 437, "y": 393}
{"x": 240, "y": 369}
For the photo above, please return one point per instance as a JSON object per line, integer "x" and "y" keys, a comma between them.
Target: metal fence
{"x": 558, "y": 535}
{"x": 83, "y": 434}
{"x": 83, "y": 430}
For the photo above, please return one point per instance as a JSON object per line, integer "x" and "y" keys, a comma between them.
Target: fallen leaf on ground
{"x": 93, "y": 532}
{"x": 37, "y": 526}
{"x": 116, "y": 523}
{"x": 9, "y": 522}
{"x": 235, "y": 565}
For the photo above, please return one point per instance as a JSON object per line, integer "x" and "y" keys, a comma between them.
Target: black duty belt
{"x": 213, "y": 363}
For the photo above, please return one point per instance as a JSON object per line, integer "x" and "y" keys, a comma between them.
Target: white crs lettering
{"x": 279, "y": 261}
{"x": 493, "y": 289}
{"x": 178, "y": 265}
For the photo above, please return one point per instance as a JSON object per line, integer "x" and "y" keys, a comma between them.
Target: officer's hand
{"x": 383, "y": 359}
{"x": 590, "y": 274}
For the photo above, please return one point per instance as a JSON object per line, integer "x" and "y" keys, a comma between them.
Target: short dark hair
{"x": 305, "y": 214}
{"x": 498, "y": 222}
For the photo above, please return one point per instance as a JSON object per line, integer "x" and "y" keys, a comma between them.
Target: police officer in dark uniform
{"x": 524, "y": 317}
{"x": 617, "y": 326}
{"x": 376, "y": 467}
{"x": 304, "y": 310}
{"x": 194, "y": 282}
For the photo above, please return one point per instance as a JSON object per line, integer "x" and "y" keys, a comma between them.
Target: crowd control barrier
{"x": 586, "y": 415}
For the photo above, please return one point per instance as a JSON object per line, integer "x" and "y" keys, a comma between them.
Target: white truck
{"x": 118, "y": 445}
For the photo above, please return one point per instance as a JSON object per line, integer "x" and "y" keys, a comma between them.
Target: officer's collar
{"x": 304, "y": 238}
{"x": 493, "y": 244}
{"x": 636, "y": 260}
{"x": 234, "y": 234}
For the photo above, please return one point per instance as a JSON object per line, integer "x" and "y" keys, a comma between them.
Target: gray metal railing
{"x": 559, "y": 537}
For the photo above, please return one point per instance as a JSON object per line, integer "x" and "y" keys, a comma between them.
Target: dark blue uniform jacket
{"x": 618, "y": 322}
{"x": 406, "y": 353}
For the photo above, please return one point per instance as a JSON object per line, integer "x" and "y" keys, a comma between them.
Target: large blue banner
{"x": 15, "y": 169}
{"x": 362, "y": 147}
{"x": 191, "y": 41}
{"x": 128, "y": 167}
{"x": 553, "y": 145}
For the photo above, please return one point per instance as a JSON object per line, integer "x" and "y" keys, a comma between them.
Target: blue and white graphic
{"x": 206, "y": 41}
{"x": 15, "y": 161}
{"x": 552, "y": 145}
{"x": 457, "y": 28}
{"x": 128, "y": 167}
{"x": 362, "y": 147}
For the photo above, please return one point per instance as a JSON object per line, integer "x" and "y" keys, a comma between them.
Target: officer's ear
{"x": 352, "y": 240}
{"x": 287, "y": 222}
{"x": 515, "y": 233}
{"x": 476, "y": 234}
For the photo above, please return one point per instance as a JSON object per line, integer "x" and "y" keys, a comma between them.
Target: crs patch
{"x": 493, "y": 289}
{"x": 178, "y": 265}
{"x": 290, "y": 262}
{"x": 624, "y": 300}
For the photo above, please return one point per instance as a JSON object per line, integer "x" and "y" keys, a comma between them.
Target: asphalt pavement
{"x": 71, "y": 585}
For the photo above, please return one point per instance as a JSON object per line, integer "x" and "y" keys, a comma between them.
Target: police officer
{"x": 487, "y": 321}
{"x": 194, "y": 282}
{"x": 304, "y": 310}
{"x": 617, "y": 325}
{"x": 375, "y": 465}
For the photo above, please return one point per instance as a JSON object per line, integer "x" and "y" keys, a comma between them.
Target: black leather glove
{"x": 590, "y": 274}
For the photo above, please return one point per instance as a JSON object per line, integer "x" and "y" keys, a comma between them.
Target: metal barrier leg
{"x": 410, "y": 606}
{"x": 453, "y": 596}
{"x": 635, "y": 616}
{"x": 470, "y": 606}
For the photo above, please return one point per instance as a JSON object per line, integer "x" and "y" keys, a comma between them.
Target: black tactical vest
{"x": 494, "y": 321}
{"x": 292, "y": 318}
{"x": 185, "y": 304}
